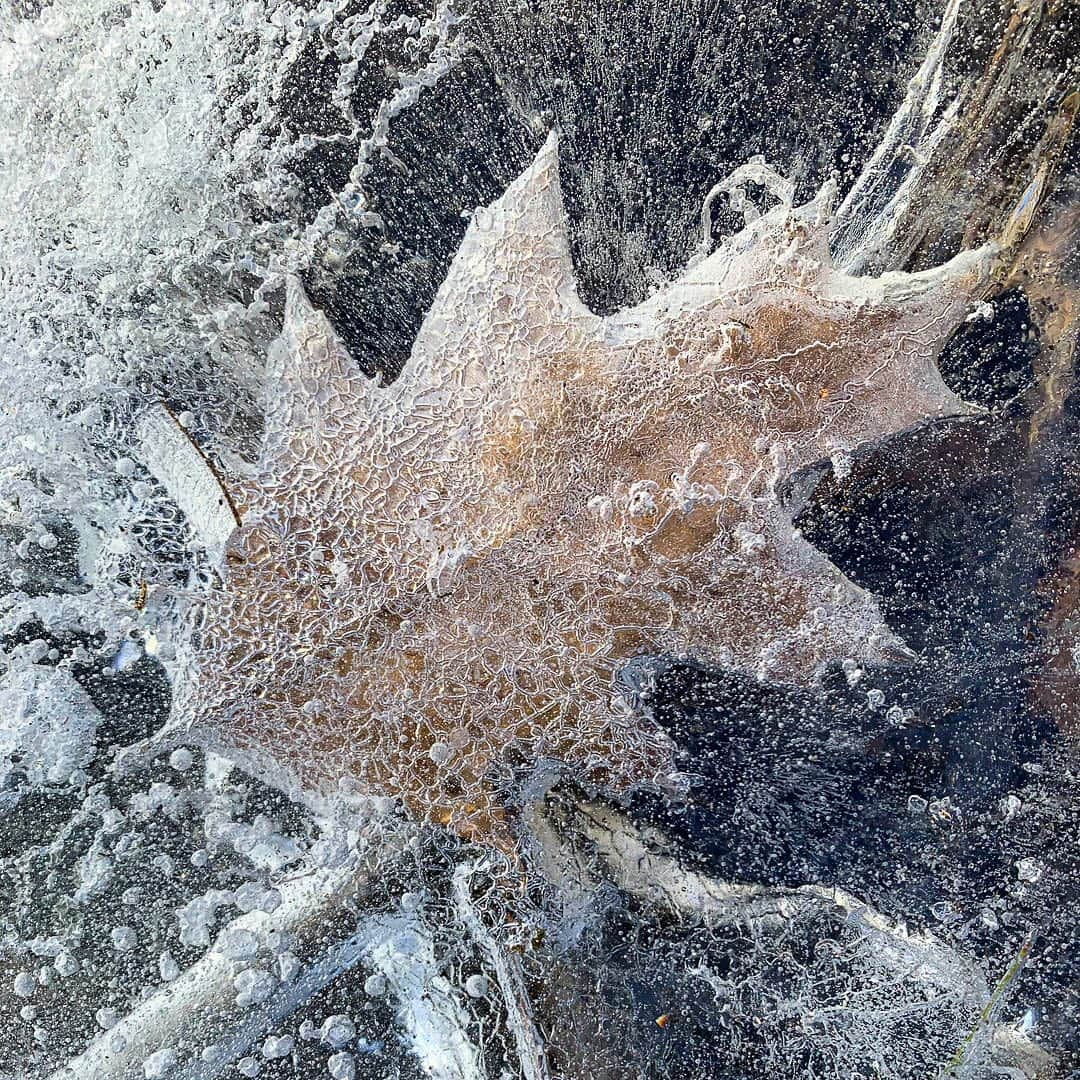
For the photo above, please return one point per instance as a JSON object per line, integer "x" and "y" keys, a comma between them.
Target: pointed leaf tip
{"x": 299, "y": 310}
{"x": 512, "y": 270}
{"x": 314, "y": 348}
{"x": 527, "y": 220}
{"x": 296, "y": 301}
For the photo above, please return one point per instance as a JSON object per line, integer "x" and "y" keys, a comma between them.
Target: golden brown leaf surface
{"x": 441, "y": 578}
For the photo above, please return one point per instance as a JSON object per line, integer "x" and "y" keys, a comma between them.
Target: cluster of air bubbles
{"x": 165, "y": 875}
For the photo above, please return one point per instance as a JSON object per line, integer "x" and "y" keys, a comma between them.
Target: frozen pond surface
{"x": 493, "y": 581}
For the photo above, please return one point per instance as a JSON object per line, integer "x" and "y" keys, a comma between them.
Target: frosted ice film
{"x": 538, "y": 541}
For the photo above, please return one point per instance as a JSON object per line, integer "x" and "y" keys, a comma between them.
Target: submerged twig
{"x": 527, "y": 1040}
{"x": 987, "y": 1013}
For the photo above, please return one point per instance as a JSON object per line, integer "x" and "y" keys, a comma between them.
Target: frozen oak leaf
{"x": 442, "y": 577}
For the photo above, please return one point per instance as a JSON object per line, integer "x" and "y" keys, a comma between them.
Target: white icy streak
{"x": 202, "y": 999}
{"x": 301, "y": 251}
{"x": 639, "y": 869}
{"x": 428, "y": 1007}
{"x": 868, "y": 215}
{"x": 186, "y": 1015}
{"x": 527, "y": 1040}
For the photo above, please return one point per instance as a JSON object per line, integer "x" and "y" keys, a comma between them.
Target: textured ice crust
{"x": 446, "y": 579}
{"x": 436, "y": 581}
{"x": 48, "y": 727}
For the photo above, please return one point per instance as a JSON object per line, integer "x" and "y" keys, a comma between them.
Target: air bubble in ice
{"x": 253, "y": 986}
{"x": 181, "y": 759}
{"x": 107, "y": 1018}
{"x": 337, "y": 1030}
{"x": 441, "y": 753}
{"x": 277, "y": 1046}
{"x": 253, "y": 897}
{"x": 164, "y": 863}
{"x": 160, "y": 1063}
{"x": 123, "y": 938}
{"x": 168, "y": 968}
{"x": 1008, "y": 807}
{"x": 1028, "y": 870}
{"x": 341, "y": 1066}
{"x": 65, "y": 964}
{"x": 237, "y": 943}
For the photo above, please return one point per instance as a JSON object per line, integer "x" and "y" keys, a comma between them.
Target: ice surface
{"x": 443, "y": 610}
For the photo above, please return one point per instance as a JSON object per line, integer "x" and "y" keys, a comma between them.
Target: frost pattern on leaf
{"x": 439, "y": 578}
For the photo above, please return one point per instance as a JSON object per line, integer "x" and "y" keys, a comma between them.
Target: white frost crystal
{"x": 160, "y": 1064}
{"x": 341, "y": 1066}
{"x": 337, "y": 1031}
{"x": 253, "y": 986}
{"x": 277, "y": 1046}
{"x": 47, "y": 722}
{"x": 168, "y": 968}
{"x": 123, "y": 938}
